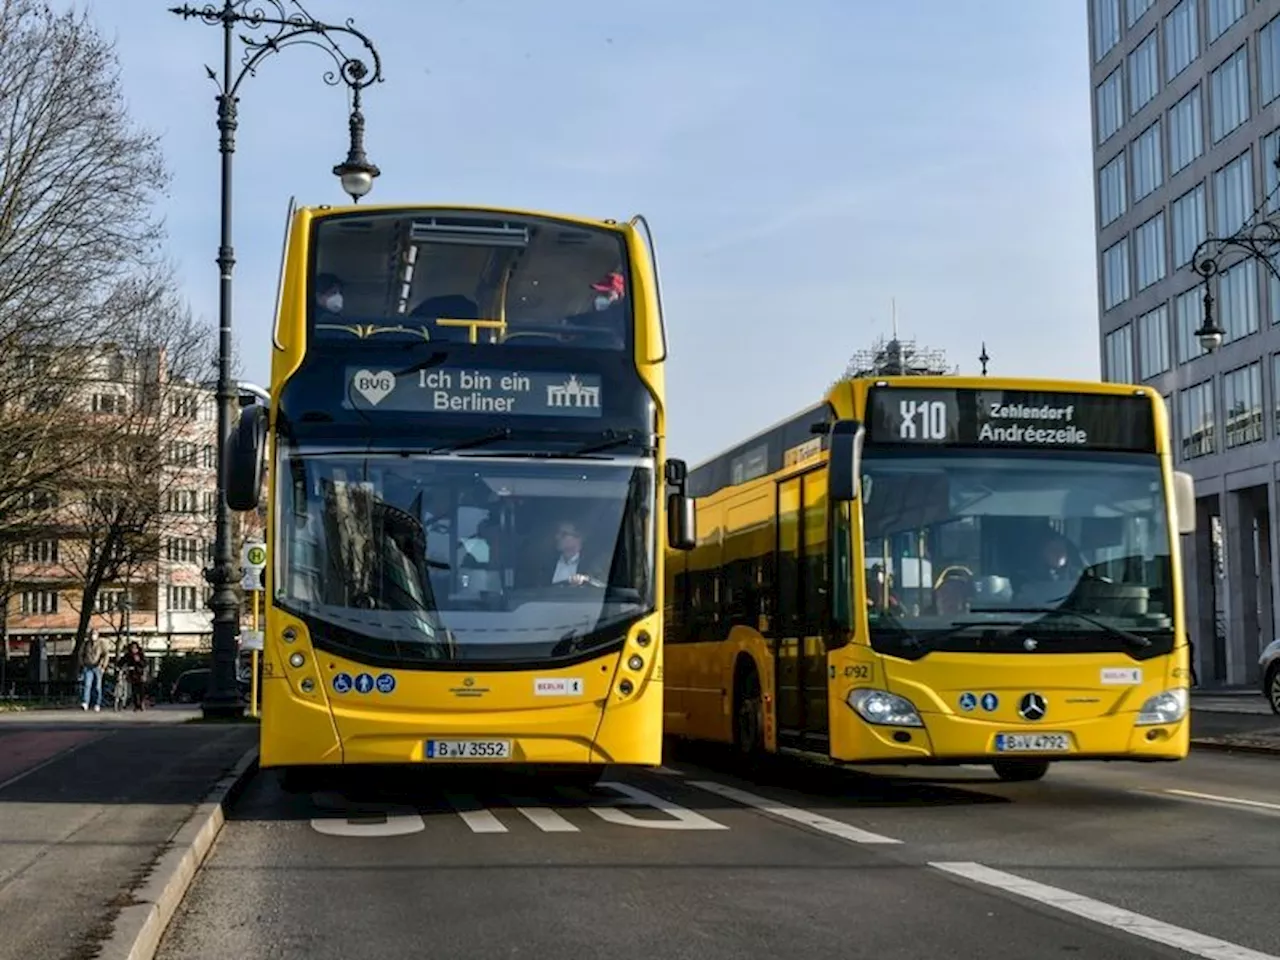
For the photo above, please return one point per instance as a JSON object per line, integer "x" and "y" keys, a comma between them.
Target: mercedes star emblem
{"x": 1032, "y": 707}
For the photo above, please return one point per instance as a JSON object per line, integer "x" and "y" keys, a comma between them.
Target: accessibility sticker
{"x": 386, "y": 683}
{"x": 364, "y": 683}
{"x": 342, "y": 683}
{"x": 968, "y": 701}
{"x": 989, "y": 702}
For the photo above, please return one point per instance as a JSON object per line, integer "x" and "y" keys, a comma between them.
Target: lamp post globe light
{"x": 271, "y": 26}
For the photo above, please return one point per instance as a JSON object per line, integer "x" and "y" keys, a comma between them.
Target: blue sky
{"x": 800, "y": 163}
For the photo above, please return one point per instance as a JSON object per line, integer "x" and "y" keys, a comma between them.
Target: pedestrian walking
{"x": 93, "y": 657}
{"x": 134, "y": 666}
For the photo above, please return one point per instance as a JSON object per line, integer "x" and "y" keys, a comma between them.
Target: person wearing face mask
{"x": 328, "y": 297}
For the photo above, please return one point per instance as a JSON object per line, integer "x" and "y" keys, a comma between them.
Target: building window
{"x": 1233, "y": 194}
{"x": 1134, "y": 9}
{"x": 108, "y": 403}
{"x": 1115, "y": 274}
{"x": 36, "y": 602}
{"x": 1153, "y": 343}
{"x": 1148, "y": 242}
{"x": 1222, "y": 14}
{"x": 1106, "y": 27}
{"x": 1148, "y": 165}
{"x": 1275, "y": 390}
{"x": 1186, "y": 132}
{"x": 1242, "y": 405}
{"x": 1144, "y": 74}
{"x": 1196, "y": 420}
{"x": 1181, "y": 38}
{"x": 1270, "y": 175}
{"x": 1110, "y": 105}
{"x": 1188, "y": 314}
{"x": 40, "y": 551}
{"x": 1229, "y": 94}
{"x": 1112, "y": 194}
{"x": 1238, "y": 300}
{"x": 183, "y": 599}
{"x": 1119, "y": 354}
{"x": 1189, "y": 229}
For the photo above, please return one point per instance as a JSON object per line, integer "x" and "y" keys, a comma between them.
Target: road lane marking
{"x": 1234, "y": 801}
{"x": 545, "y": 819}
{"x": 77, "y": 740}
{"x": 1117, "y": 918}
{"x": 681, "y": 817}
{"x": 808, "y": 818}
{"x": 667, "y": 771}
{"x": 394, "y": 822}
{"x": 478, "y": 818}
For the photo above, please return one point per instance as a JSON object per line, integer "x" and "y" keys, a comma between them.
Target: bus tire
{"x": 1272, "y": 687}
{"x": 748, "y": 714}
{"x": 1020, "y": 771}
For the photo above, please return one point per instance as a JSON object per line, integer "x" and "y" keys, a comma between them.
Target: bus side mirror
{"x": 242, "y": 468}
{"x": 1184, "y": 501}
{"x": 845, "y": 461}
{"x": 682, "y": 521}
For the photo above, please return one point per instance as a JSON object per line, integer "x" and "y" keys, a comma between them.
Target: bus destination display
{"x": 1009, "y": 418}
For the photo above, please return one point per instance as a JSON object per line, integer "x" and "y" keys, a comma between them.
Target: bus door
{"x": 800, "y": 653}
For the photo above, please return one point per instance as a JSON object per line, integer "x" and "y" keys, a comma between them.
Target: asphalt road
{"x": 1096, "y": 861}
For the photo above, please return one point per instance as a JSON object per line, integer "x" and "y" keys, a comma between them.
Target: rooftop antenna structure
{"x": 897, "y": 357}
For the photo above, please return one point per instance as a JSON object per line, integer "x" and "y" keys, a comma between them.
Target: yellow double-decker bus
{"x": 467, "y": 492}
{"x": 939, "y": 570}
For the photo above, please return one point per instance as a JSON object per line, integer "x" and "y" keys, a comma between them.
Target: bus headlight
{"x": 1167, "y": 707}
{"x": 883, "y": 708}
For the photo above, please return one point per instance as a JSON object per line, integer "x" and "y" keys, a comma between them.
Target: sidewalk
{"x": 88, "y": 801}
{"x": 1235, "y": 720}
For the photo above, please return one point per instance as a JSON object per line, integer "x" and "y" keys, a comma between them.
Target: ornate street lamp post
{"x": 277, "y": 32}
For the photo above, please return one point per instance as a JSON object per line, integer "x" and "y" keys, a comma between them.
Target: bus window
{"x": 471, "y": 278}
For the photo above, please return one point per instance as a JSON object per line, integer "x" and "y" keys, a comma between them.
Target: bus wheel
{"x": 1273, "y": 687}
{"x": 748, "y": 716}
{"x": 1020, "y": 771}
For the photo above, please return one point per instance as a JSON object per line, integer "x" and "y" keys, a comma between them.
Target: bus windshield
{"x": 408, "y": 559}
{"x": 480, "y": 278}
{"x": 1034, "y": 553}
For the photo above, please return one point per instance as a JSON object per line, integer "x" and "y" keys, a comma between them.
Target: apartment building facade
{"x": 159, "y": 597}
{"x": 1186, "y": 138}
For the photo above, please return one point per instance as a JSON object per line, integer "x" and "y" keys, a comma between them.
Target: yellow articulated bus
{"x": 939, "y": 570}
{"x": 467, "y": 492}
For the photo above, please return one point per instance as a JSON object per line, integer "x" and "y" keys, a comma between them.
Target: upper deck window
{"x": 469, "y": 278}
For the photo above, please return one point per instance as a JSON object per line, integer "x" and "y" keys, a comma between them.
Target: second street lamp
{"x": 290, "y": 26}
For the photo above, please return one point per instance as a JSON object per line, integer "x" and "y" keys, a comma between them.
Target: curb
{"x": 1231, "y": 746}
{"x": 138, "y": 928}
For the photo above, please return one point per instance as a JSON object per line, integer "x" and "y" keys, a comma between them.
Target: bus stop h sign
{"x": 253, "y": 561}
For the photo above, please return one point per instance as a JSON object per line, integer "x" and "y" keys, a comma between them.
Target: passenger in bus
{"x": 880, "y": 595}
{"x": 329, "y": 299}
{"x": 607, "y": 314}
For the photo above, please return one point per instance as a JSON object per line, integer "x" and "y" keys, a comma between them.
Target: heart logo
{"x": 374, "y": 387}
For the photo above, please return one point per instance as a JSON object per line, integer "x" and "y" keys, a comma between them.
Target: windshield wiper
{"x": 1135, "y": 641}
{"x": 609, "y": 439}
{"x": 502, "y": 433}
